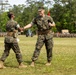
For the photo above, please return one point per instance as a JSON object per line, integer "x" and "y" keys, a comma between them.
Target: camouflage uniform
{"x": 45, "y": 36}
{"x": 11, "y": 41}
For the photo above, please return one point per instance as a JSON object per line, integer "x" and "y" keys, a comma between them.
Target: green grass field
{"x": 63, "y": 62}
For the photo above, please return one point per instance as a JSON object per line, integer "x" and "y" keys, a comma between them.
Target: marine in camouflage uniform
{"x": 45, "y": 36}
{"x": 11, "y": 41}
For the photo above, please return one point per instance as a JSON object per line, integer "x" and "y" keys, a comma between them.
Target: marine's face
{"x": 41, "y": 12}
{"x": 13, "y": 16}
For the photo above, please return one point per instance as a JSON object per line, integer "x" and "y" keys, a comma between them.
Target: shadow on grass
{"x": 7, "y": 65}
{"x": 37, "y": 62}
{"x": 28, "y": 62}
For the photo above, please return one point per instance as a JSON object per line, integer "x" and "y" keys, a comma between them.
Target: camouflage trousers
{"x": 48, "y": 41}
{"x": 16, "y": 50}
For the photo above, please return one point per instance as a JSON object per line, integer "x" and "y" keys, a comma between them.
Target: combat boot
{"x": 21, "y": 65}
{"x": 2, "y": 65}
{"x": 32, "y": 64}
{"x": 48, "y": 64}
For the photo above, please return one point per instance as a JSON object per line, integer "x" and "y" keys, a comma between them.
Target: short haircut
{"x": 41, "y": 8}
{"x": 9, "y": 14}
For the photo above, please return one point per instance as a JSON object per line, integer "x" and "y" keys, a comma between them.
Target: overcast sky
{"x": 16, "y": 2}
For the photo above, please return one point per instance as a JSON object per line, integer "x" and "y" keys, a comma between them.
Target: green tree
{"x": 64, "y": 14}
{"x": 3, "y": 21}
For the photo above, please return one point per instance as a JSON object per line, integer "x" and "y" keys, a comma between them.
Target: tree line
{"x": 62, "y": 11}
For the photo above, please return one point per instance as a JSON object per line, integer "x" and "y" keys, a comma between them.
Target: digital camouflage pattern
{"x": 11, "y": 41}
{"x": 44, "y": 38}
{"x": 12, "y": 32}
{"x": 11, "y": 26}
{"x": 15, "y": 48}
{"x": 42, "y": 22}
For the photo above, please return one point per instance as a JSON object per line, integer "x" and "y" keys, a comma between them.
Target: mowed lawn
{"x": 63, "y": 62}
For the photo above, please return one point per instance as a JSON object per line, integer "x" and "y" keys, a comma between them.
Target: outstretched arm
{"x": 27, "y": 26}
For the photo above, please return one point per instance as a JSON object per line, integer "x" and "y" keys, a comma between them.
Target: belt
{"x": 10, "y": 33}
{"x": 43, "y": 32}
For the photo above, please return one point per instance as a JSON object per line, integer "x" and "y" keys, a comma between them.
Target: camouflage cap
{"x": 40, "y": 8}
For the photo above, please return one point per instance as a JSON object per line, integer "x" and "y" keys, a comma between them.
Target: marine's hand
{"x": 21, "y": 29}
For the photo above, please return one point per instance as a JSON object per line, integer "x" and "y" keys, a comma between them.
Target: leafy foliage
{"x": 62, "y": 11}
